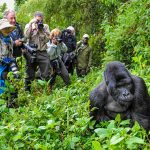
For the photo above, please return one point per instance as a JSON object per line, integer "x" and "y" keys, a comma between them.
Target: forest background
{"x": 119, "y": 30}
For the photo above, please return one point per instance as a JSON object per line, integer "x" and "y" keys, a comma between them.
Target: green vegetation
{"x": 85, "y": 15}
{"x": 129, "y": 36}
{"x": 59, "y": 119}
{"x": 2, "y": 9}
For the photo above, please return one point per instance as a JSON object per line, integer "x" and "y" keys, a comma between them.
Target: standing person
{"x": 56, "y": 49}
{"x": 16, "y": 34}
{"x": 37, "y": 34}
{"x": 7, "y": 62}
{"x": 68, "y": 37}
{"x": 84, "y": 56}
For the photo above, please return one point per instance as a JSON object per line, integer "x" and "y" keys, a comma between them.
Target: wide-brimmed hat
{"x": 4, "y": 24}
{"x": 86, "y": 36}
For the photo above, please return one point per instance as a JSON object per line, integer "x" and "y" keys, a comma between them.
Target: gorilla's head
{"x": 119, "y": 83}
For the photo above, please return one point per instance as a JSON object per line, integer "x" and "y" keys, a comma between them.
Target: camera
{"x": 72, "y": 55}
{"x": 12, "y": 65}
{"x": 32, "y": 51}
{"x": 59, "y": 39}
{"x": 14, "y": 69}
{"x": 7, "y": 64}
{"x": 31, "y": 48}
{"x": 40, "y": 24}
{"x": 56, "y": 66}
{"x": 66, "y": 32}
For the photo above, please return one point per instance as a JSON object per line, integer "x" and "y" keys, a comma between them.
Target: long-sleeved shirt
{"x": 6, "y": 50}
{"x": 55, "y": 51}
{"x": 38, "y": 37}
{"x": 84, "y": 55}
{"x": 15, "y": 35}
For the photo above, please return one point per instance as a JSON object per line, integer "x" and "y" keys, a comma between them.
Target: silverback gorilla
{"x": 120, "y": 93}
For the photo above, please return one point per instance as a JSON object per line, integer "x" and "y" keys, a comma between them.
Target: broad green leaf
{"x": 125, "y": 122}
{"x": 73, "y": 141}
{"x": 17, "y": 137}
{"x": 111, "y": 125}
{"x": 116, "y": 139}
{"x": 118, "y": 118}
{"x": 19, "y": 145}
{"x": 134, "y": 140}
{"x": 101, "y": 132}
{"x": 50, "y": 122}
{"x": 136, "y": 126}
{"x": 96, "y": 145}
{"x": 41, "y": 127}
{"x": 41, "y": 82}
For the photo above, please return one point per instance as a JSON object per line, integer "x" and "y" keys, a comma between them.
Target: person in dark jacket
{"x": 68, "y": 37}
{"x": 17, "y": 34}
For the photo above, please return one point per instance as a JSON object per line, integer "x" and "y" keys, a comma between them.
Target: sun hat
{"x": 4, "y": 24}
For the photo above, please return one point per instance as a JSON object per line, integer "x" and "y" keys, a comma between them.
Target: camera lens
{"x": 40, "y": 24}
{"x": 59, "y": 39}
{"x": 14, "y": 69}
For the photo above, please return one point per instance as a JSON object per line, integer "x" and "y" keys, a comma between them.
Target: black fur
{"x": 120, "y": 93}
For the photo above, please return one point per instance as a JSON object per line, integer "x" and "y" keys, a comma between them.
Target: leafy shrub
{"x": 2, "y": 9}
{"x": 128, "y": 39}
{"x": 60, "y": 120}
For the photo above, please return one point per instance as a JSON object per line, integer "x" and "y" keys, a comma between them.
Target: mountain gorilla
{"x": 120, "y": 93}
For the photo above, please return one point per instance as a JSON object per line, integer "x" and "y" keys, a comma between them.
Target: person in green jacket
{"x": 84, "y": 56}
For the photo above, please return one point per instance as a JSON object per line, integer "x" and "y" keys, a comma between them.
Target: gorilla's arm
{"x": 141, "y": 104}
{"x": 98, "y": 98}
{"x": 142, "y": 100}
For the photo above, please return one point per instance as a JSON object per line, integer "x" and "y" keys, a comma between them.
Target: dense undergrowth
{"x": 59, "y": 119}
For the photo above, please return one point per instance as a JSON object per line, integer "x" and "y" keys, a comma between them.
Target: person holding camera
{"x": 7, "y": 61}
{"x": 68, "y": 37}
{"x": 37, "y": 34}
{"x": 84, "y": 56}
{"x": 56, "y": 49}
{"x": 16, "y": 34}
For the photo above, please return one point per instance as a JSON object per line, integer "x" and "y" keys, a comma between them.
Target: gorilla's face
{"x": 123, "y": 93}
{"x": 120, "y": 86}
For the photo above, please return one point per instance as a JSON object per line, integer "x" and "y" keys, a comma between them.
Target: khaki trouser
{"x": 42, "y": 61}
